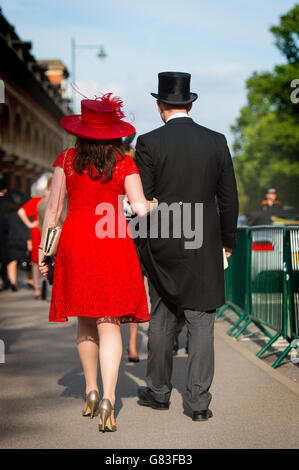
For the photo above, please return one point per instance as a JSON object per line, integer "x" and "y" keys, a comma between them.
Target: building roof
{"x": 18, "y": 64}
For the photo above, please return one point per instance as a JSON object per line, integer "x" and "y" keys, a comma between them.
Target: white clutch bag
{"x": 51, "y": 241}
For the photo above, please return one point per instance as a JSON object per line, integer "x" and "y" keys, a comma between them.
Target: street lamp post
{"x": 101, "y": 55}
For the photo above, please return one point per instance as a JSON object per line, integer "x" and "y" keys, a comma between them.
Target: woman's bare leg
{"x": 110, "y": 357}
{"x": 36, "y": 278}
{"x": 29, "y": 278}
{"x": 133, "y": 340}
{"x": 88, "y": 348}
{"x": 12, "y": 272}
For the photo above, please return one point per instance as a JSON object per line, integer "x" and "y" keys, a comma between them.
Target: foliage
{"x": 266, "y": 145}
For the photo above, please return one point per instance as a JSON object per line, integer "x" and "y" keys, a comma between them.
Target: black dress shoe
{"x": 202, "y": 415}
{"x": 146, "y": 399}
{"x": 133, "y": 359}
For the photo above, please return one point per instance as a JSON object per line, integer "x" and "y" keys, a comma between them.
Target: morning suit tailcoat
{"x": 185, "y": 162}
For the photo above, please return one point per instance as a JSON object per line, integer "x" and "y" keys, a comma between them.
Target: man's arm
{"x": 145, "y": 166}
{"x": 227, "y": 197}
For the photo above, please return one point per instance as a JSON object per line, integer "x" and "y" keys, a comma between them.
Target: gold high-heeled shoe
{"x": 105, "y": 411}
{"x": 92, "y": 404}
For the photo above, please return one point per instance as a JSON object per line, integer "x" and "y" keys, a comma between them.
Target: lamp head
{"x": 102, "y": 54}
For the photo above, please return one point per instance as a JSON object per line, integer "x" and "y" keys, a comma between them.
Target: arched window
{"x": 36, "y": 144}
{"x": 4, "y": 128}
{"x": 50, "y": 149}
{"x": 43, "y": 149}
{"x": 57, "y": 149}
{"x": 17, "y": 137}
{"x": 28, "y": 139}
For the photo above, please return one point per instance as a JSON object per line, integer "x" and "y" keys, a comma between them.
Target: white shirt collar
{"x": 178, "y": 115}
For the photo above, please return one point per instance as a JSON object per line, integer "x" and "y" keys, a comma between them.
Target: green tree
{"x": 266, "y": 144}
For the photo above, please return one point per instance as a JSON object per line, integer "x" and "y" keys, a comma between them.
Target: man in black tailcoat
{"x": 185, "y": 165}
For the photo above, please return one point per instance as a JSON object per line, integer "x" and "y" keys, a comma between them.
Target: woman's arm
{"x": 54, "y": 206}
{"x": 134, "y": 191}
{"x": 23, "y": 216}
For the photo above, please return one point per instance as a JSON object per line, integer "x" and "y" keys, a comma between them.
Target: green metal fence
{"x": 291, "y": 327}
{"x": 293, "y": 262}
{"x": 236, "y": 278}
{"x": 262, "y": 284}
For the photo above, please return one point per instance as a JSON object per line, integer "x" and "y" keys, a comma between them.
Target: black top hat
{"x": 174, "y": 88}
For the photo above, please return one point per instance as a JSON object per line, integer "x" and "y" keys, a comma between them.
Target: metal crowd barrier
{"x": 293, "y": 240}
{"x": 235, "y": 278}
{"x": 262, "y": 284}
{"x": 292, "y": 278}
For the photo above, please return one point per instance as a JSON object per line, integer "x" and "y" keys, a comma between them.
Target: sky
{"x": 219, "y": 42}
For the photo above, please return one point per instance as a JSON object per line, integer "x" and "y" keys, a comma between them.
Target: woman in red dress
{"x": 96, "y": 265}
{"x": 30, "y": 210}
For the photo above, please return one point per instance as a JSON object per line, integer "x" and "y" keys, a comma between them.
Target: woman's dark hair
{"x": 101, "y": 154}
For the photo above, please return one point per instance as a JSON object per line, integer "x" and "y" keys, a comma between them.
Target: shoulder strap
{"x": 63, "y": 177}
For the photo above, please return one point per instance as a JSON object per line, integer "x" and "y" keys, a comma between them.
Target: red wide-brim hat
{"x": 99, "y": 119}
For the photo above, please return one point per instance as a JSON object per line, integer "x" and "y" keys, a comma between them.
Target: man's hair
{"x": 168, "y": 106}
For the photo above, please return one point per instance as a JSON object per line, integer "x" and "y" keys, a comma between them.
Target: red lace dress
{"x": 97, "y": 277}
{"x": 30, "y": 209}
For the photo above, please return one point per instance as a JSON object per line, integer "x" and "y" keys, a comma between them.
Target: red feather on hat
{"x": 115, "y": 103}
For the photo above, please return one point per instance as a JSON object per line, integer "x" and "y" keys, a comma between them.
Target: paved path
{"x": 42, "y": 388}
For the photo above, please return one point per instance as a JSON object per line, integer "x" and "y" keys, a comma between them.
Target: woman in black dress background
{"x": 16, "y": 236}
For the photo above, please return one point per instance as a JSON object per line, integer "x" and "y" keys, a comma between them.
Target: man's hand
{"x": 228, "y": 251}
{"x": 153, "y": 204}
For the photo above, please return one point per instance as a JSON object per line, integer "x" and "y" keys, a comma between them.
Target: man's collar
{"x": 178, "y": 115}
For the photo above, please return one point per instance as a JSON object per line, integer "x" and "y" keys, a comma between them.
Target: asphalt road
{"x": 42, "y": 386}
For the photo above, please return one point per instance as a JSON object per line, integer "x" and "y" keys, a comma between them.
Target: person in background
{"x": 30, "y": 210}
{"x": 270, "y": 202}
{"x": 42, "y": 205}
{"x": 269, "y": 206}
{"x": 16, "y": 236}
{"x": 130, "y": 150}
